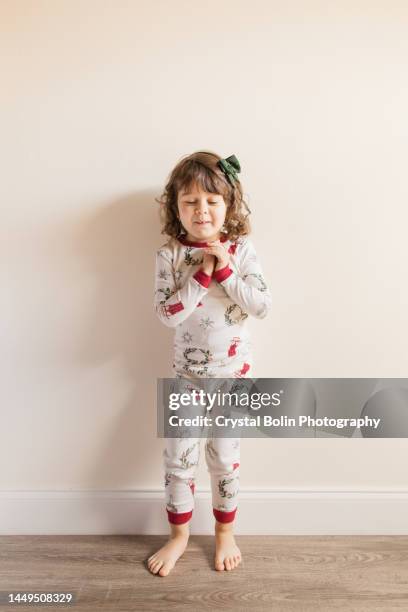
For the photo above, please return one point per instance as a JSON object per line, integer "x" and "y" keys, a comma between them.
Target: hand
{"x": 218, "y": 250}
{"x": 208, "y": 264}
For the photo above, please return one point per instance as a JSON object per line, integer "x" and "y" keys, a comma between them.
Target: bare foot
{"x": 227, "y": 553}
{"x": 163, "y": 561}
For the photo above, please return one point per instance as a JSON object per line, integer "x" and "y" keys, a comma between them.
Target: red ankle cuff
{"x": 178, "y": 518}
{"x": 224, "y": 517}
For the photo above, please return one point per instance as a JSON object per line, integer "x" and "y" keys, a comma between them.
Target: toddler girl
{"x": 208, "y": 280}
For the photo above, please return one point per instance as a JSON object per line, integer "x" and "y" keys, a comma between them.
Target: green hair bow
{"x": 230, "y": 167}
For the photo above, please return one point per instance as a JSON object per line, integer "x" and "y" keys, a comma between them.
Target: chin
{"x": 202, "y": 230}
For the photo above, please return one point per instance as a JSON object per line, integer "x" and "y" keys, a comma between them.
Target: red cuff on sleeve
{"x": 222, "y": 274}
{"x": 172, "y": 309}
{"x": 202, "y": 278}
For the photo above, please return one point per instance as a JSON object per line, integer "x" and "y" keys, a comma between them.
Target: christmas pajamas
{"x": 180, "y": 462}
{"x": 211, "y": 340}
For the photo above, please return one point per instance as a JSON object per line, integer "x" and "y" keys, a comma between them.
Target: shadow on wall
{"x": 118, "y": 244}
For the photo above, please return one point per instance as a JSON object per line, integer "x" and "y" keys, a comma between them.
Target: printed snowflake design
{"x": 178, "y": 275}
{"x": 163, "y": 275}
{"x": 187, "y": 337}
{"x": 206, "y": 322}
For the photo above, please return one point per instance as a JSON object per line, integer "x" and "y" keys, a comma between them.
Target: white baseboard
{"x": 259, "y": 513}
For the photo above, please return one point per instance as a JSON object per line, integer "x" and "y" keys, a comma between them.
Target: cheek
{"x": 183, "y": 212}
{"x": 221, "y": 212}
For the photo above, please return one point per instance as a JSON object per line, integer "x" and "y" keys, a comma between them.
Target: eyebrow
{"x": 212, "y": 195}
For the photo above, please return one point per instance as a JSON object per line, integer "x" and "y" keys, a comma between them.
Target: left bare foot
{"x": 227, "y": 553}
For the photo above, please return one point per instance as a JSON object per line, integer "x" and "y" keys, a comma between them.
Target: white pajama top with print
{"x": 210, "y": 314}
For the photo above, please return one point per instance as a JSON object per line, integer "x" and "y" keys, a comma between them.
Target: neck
{"x": 192, "y": 238}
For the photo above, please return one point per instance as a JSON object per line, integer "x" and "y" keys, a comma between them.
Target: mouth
{"x": 201, "y": 222}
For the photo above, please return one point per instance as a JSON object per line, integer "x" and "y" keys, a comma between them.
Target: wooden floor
{"x": 280, "y": 573}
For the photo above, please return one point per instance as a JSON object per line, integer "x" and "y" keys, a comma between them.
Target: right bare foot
{"x": 163, "y": 561}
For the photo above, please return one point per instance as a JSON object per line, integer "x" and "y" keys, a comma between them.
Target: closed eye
{"x": 188, "y": 202}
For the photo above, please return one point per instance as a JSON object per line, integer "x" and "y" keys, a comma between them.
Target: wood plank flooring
{"x": 279, "y": 573}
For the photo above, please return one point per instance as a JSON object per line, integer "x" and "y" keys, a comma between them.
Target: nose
{"x": 201, "y": 207}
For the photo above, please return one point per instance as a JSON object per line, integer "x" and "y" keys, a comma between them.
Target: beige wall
{"x": 100, "y": 99}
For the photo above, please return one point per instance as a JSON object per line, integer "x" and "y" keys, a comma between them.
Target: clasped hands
{"x": 215, "y": 257}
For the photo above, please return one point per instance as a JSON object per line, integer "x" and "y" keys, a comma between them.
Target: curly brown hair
{"x": 201, "y": 168}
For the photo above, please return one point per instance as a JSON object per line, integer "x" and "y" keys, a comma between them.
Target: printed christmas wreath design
{"x": 261, "y": 283}
{"x": 234, "y": 314}
{"x": 206, "y": 356}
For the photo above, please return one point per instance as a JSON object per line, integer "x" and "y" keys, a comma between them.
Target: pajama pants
{"x": 181, "y": 456}
{"x": 181, "y": 459}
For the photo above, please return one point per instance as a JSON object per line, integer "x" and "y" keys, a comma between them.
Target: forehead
{"x": 194, "y": 192}
{"x": 195, "y": 189}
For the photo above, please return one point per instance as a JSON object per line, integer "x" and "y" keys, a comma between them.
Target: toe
{"x": 156, "y": 566}
{"x": 227, "y": 564}
{"x": 166, "y": 569}
{"x": 219, "y": 565}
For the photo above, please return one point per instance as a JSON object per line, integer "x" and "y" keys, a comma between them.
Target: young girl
{"x": 208, "y": 280}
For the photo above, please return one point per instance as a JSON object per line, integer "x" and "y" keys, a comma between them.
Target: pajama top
{"x": 210, "y": 313}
